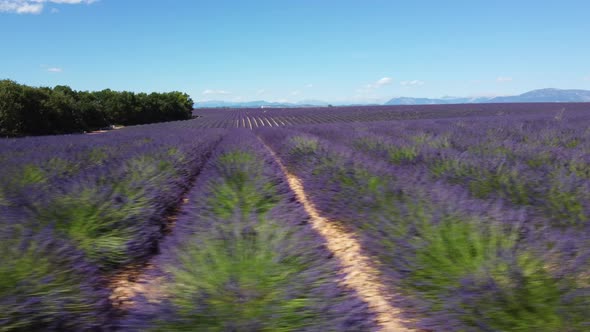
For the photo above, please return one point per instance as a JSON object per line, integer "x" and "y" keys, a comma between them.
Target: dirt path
{"x": 134, "y": 280}
{"x": 358, "y": 269}
{"x": 138, "y": 278}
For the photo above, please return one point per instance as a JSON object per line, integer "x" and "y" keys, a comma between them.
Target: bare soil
{"x": 359, "y": 270}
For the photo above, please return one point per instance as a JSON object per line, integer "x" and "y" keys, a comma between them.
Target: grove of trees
{"x": 26, "y": 110}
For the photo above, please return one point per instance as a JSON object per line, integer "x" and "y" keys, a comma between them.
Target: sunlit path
{"x": 358, "y": 269}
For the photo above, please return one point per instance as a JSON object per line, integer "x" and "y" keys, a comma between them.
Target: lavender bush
{"x": 463, "y": 263}
{"x": 243, "y": 258}
{"x": 477, "y": 221}
{"x": 75, "y": 208}
{"x": 540, "y": 161}
{"x": 108, "y": 197}
{"x": 46, "y": 284}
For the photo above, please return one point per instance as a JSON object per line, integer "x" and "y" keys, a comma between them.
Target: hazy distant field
{"x": 279, "y": 117}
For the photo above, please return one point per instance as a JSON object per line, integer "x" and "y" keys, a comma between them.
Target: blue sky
{"x": 357, "y": 51}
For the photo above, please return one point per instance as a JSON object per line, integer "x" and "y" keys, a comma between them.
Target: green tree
{"x": 11, "y": 106}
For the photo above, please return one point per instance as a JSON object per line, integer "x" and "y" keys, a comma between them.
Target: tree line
{"x": 26, "y": 110}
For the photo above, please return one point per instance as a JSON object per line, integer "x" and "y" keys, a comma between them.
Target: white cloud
{"x": 295, "y": 93}
{"x": 382, "y": 82}
{"x": 34, "y": 6}
{"x": 55, "y": 70}
{"x": 379, "y": 83}
{"x": 309, "y": 85}
{"x": 215, "y": 92}
{"x": 503, "y": 79}
{"x": 29, "y": 9}
{"x": 369, "y": 90}
{"x": 412, "y": 83}
{"x": 260, "y": 92}
{"x": 376, "y": 85}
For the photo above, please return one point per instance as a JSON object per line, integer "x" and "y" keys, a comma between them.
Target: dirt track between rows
{"x": 359, "y": 270}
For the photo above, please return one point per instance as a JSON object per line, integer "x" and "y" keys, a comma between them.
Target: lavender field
{"x": 406, "y": 218}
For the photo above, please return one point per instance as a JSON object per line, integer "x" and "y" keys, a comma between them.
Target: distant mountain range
{"x": 542, "y": 95}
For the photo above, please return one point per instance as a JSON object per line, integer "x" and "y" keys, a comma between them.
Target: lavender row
{"x": 539, "y": 162}
{"x": 280, "y": 117}
{"x": 112, "y": 208}
{"x": 46, "y": 284}
{"x": 72, "y": 214}
{"x": 243, "y": 257}
{"x": 462, "y": 263}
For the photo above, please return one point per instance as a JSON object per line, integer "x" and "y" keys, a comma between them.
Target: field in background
{"x": 280, "y": 117}
{"x": 469, "y": 217}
